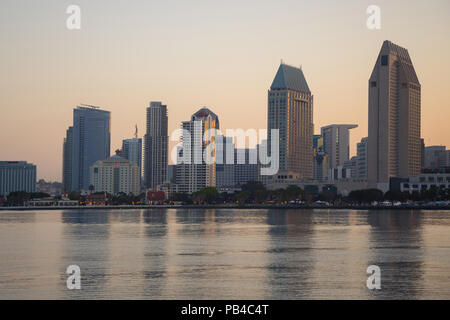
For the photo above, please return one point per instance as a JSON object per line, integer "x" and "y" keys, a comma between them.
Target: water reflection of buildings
{"x": 85, "y": 242}
{"x": 397, "y": 248}
{"x": 290, "y": 254}
{"x": 211, "y": 253}
{"x": 27, "y": 255}
{"x": 340, "y": 254}
{"x": 154, "y": 234}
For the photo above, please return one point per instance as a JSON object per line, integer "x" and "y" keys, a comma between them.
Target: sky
{"x": 190, "y": 54}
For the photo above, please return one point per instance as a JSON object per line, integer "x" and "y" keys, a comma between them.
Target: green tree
{"x": 366, "y": 195}
{"x": 242, "y": 196}
{"x": 206, "y": 195}
{"x": 181, "y": 197}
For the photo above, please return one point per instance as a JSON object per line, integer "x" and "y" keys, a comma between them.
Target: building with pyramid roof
{"x": 394, "y": 146}
{"x": 290, "y": 110}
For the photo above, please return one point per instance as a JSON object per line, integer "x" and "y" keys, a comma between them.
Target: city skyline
{"x": 189, "y": 75}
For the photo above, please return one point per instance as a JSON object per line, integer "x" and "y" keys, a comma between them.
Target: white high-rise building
{"x": 336, "y": 143}
{"x": 194, "y": 172}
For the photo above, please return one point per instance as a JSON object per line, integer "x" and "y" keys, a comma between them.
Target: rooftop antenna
{"x": 89, "y": 106}
{"x": 281, "y": 61}
{"x": 136, "y": 132}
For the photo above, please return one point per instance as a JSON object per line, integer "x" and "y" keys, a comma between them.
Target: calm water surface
{"x": 224, "y": 254}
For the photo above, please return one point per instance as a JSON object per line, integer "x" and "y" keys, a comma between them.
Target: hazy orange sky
{"x": 188, "y": 54}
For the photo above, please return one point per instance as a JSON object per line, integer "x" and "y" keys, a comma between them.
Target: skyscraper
{"x": 394, "y": 148}
{"x": 67, "y": 160}
{"x": 193, "y": 171}
{"x": 156, "y": 145}
{"x": 336, "y": 142}
{"x": 290, "y": 110}
{"x": 91, "y": 139}
{"x": 132, "y": 150}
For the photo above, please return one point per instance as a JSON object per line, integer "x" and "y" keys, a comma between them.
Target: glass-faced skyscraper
{"x": 394, "y": 147}
{"x": 290, "y": 109}
{"x": 156, "y": 145}
{"x": 90, "y": 140}
{"x": 132, "y": 150}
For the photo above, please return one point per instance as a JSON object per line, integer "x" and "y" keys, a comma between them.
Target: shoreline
{"x": 237, "y": 207}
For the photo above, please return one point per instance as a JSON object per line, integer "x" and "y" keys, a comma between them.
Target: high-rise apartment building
{"x": 87, "y": 141}
{"x": 394, "y": 148}
{"x": 290, "y": 110}
{"x": 17, "y": 176}
{"x": 361, "y": 161}
{"x": 194, "y": 171}
{"x": 156, "y": 146}
{"x": 336, "y": 142}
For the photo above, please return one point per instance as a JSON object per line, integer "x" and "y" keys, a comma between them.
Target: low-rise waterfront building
{"x": 17, "y": 176}
{"x": 426, "y": 181}
{"x": 115, "y": 175}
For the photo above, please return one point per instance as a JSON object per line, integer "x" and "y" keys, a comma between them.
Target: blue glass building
{"x": 91, "y": 140}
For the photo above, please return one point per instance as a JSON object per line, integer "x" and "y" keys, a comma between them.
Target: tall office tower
{"x": 91, "y": 140}
{"x": 320, "y": 159}
{"x": 17, "y": 176}
{"x": 394, "y": 117}
{"x": 132, "y": 150}
{"x": 194, "y": 172}
{"x": 67, "y": 160}
{"x": 361, "y": 153}
{"x": 290, "y": 110}
{"x": 156, "y": 146}
{"x": 336, "y": 143}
